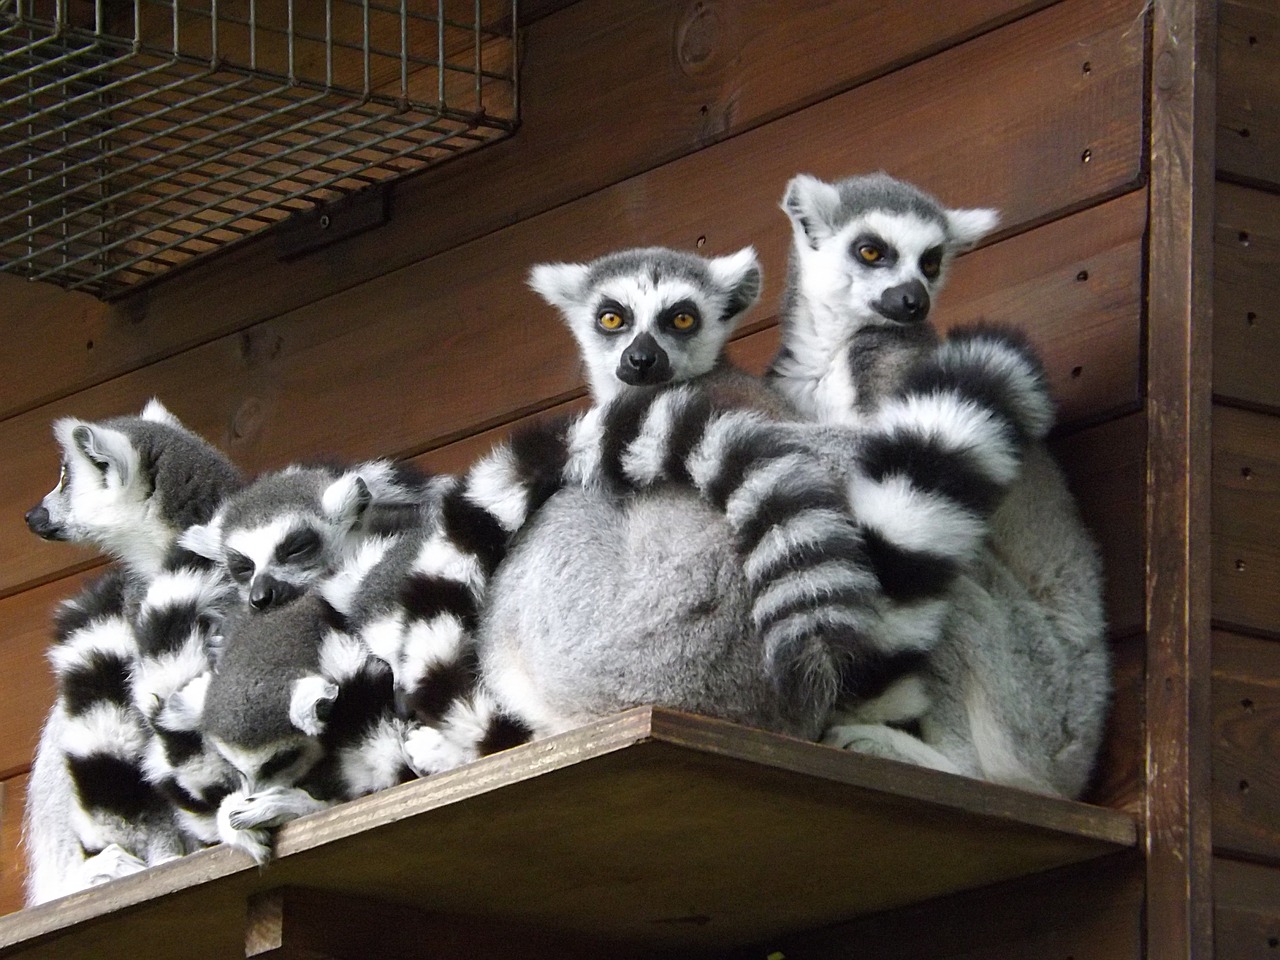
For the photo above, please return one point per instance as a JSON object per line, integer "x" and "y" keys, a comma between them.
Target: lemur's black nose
{"x": 644, "y": 362}
{"x": 906, "y": 303}
{"x": 265, "y": 591}
{"x": 39, "y": 523}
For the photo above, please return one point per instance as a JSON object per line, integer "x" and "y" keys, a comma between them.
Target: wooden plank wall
{"x": 1246, "y": 484}
{"x": 659, "y": 122}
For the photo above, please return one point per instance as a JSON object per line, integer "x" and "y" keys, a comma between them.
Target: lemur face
{"x": 283, "y": 532}
{"x": 103, "y": 496}
{"x": 650, "y": 316}
{"x": 874, "y": 250}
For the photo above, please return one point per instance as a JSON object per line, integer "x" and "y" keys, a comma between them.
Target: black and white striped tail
{"x": 104, "y": 737}
{"x": 178, "y": 626}
{"x": 430, "y": 643}
{"x": 803, "y": 554}
{"x": 936, "y": 460}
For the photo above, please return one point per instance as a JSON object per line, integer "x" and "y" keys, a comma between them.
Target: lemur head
{"x": 873, "y": 250}
{"x": 288, "y": 529}
{"x": 266, "y": 704}
{"x": 650, "y": 315}
{"x": 129, "y": 485}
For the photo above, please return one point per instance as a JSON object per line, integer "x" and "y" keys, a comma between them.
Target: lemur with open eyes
{"x": 129, "y": 486}
{"x": 1017, "y": 688}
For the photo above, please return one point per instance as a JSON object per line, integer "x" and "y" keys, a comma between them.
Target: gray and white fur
{"x": 128, "y": 485}
{"x": 680, "y": 589}
{"x": 301, "y": 711}
{"x": 1016, "y": 690}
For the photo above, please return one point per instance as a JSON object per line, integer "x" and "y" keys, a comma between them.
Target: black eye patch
{"x": 609, "y": 306}
{"x": 681, "y": 316}
{"x": 239, "y": 566}
{"x": 280, "y": 762}
{"x": 931, "y": 262}
{"x": 299, "y": 546}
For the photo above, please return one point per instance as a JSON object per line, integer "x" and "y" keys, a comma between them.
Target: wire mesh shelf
{"x": 138, "y": 134}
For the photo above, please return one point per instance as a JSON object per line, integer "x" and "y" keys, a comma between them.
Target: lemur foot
{"x": 112, "y": 862}
{"x": 429, "y": 751}
{"x": 879, "y": 740}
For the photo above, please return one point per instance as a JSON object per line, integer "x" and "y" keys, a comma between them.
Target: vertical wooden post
{"x": 1179, "y": 327}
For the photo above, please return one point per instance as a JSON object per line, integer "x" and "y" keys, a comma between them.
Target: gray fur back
{"x": 603, "y": 606}
{"x": 1020, "y": 679}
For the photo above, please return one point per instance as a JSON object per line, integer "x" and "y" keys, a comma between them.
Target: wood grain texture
{"x": 1119, "y": 775}
{"x": 13, "y": 795}
{"x": 1092, "y": 910}
{"x": 1246, "y": 516}
{"x": 1246, "y": 296}
{"x": 1248, "y": 141}
{"x": 1246, "y": 923}
{"x": 620, "y": 829}
{"x": 1179, "y": 337}
{"x": 1106, "y": 470}
{"x": 681, "y": 76}
{"x": 1246, "y": 742}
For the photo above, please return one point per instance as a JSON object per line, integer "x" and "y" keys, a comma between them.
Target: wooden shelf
{"x": 651, "y": 828}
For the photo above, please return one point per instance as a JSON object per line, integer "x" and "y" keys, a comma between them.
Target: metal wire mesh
{"x": 137, "y": 134}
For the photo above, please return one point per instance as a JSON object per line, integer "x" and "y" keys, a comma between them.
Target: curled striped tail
{"x": 936, "y": 460}
{"x": 803, "y": 555}
{"x": 428, "y": 635}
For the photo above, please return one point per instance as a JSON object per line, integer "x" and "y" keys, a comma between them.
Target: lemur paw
{"x": 270, "y": 808}
{"x": 428, "y": 751}
{"x": 232, "y": 829}
{"x": 112, "y": 862}
{"x": 878, "y": 740}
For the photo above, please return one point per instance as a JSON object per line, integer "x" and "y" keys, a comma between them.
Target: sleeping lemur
{"x": 129, "y": 486}
{"x": 1017, "y": 689}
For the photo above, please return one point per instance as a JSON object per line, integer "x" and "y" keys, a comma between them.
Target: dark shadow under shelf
{"x": 651, "y": 828}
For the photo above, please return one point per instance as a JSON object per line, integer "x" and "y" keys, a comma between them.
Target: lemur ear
{"x": 204, "y": 539}
{"x": 157, "y": 412}
{"x": 346, "y": 499}
{"x": 184, "y": 709}
{"x": 310, "y": 703}
{"x": 967, "y": 227}
{"x": 560, "y": 284}
{"x": 740, "y": 274}
{"x": 811, "y": 204}
{"x": 108, "y": 450}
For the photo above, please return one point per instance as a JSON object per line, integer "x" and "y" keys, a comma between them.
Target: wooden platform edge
{"x": 1105, "y": 831}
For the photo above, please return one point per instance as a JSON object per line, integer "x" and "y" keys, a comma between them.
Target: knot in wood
{"x": 699, "y": 36}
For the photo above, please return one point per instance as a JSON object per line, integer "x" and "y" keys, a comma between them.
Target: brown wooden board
{"x": 1246, "y": 727}
{"x": 1246, "y": 922}
{"x": 680, "y": 76}
{"x": 1119, "y": 774}
{"x": 653, "y": 828}
{"x": 1105, "y": 467}
{"x": 1246, "y": 296}
{"x": 13, "y": 795}
{"x": 1246, "y": 516}
{"x": 1091, "y": 910}
{"x": 1248, "y": 141}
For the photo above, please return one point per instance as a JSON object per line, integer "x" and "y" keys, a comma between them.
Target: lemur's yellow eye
{"x": 869, "y": 253}
{"x": 683, "y": 321}
{"x": 609, "y": 320}
{"x": 931, "y": 263}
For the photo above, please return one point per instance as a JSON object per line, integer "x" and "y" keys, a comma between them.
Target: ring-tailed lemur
{"x": 1018, "y": 686}
{"x": 128, "y": 486}
{"x": 301, "y": 711}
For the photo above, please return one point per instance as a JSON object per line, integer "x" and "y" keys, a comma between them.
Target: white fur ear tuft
{"x": 108, "y": 450}
{"x": 184, "y": 710}
{"x": 345, "y": 500}
{"x": 560, "y": 284}
{"x": 811, "y": 204}
{"x": 740, "y": 274}
{"x": 967, "y": 227}
{"x": 310, "y": 703}
{"x": 157, "y": 412}
{"x": 204, "y": 539}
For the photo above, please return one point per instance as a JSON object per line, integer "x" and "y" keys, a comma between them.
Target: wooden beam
{"x": 1179, "y": 337}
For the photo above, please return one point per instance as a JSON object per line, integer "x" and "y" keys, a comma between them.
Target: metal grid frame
{"x": 138, "y": 134}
